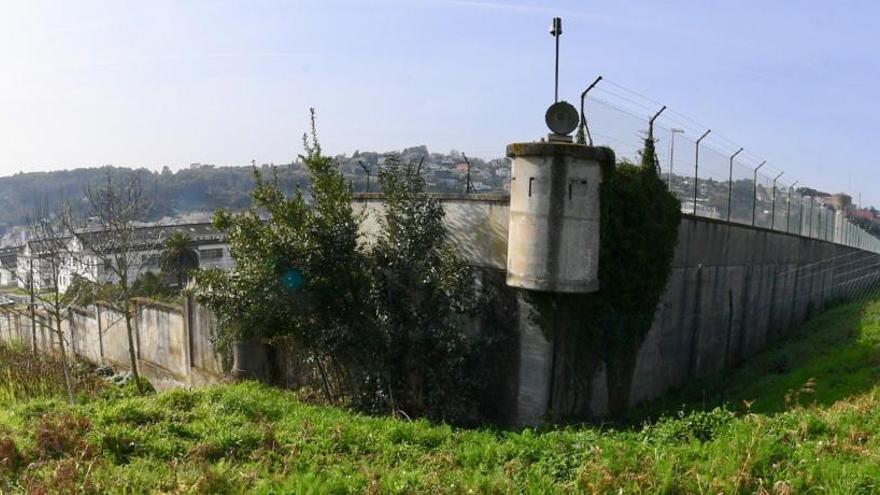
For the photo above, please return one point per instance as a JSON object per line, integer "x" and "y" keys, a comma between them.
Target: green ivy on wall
{"x": 639, "y": 230}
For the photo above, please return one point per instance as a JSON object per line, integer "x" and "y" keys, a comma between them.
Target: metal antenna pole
{"x": 697, "y": 168}
{"x": 755, "y": 191}
{"x": 556, "y": 31}
{"x": 730, "y": 182}
{"x": 586, "y": 129}
{"x": 773, "y": 202}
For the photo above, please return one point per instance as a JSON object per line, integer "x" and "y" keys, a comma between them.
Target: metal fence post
{"x": 730, "y": 182}
{"x": 755, "y": 191}
{"x": 773, "y": 202}
{"x": 697, "y": 168}
{"x": 801, "y": 219}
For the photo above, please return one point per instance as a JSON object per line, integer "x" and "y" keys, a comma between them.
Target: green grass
{"x": 249, "y": 438}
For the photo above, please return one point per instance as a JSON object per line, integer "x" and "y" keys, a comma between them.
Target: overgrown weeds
{"x": 24, "y": 375}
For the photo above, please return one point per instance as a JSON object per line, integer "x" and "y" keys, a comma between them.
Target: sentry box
{"x": 554, "y": 216}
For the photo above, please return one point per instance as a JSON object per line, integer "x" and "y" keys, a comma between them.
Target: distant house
{"x": 8, "y": 266}
{"x": 35, "y": 261}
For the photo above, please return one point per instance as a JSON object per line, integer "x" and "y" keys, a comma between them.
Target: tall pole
{"x": 730, "y": 182}
{"x": 773, "y": 202}
{"x": 697, "y": 168}
{"x": 755, "y": 191}
{"x": 556, "y": 31}
{"x": 674, "y": 131}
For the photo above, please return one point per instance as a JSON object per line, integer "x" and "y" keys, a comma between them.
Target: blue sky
{"x": 86, "y": 83}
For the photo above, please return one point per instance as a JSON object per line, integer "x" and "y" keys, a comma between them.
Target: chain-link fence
{"x": 714, "y": 177}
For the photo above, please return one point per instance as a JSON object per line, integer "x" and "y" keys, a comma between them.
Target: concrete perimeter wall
{"x": 733, "y": 290}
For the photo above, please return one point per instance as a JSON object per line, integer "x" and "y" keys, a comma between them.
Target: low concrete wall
{"x": 172, "y": 342}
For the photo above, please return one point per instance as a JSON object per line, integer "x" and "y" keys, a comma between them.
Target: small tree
{"x": 178, "y": 258}
{"x": 119, "y": 248}
{"x": 299, "y": 274}
{"x": 49, "y": 265}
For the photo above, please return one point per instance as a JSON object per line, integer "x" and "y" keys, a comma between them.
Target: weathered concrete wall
{"x": 172, "y": 342}
{"x": 734, "y": 289}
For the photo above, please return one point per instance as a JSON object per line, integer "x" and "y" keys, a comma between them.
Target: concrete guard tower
{"x": 554, "y": 232}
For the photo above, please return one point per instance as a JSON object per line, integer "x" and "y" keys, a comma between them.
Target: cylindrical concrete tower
{"x": 553, "y": 242}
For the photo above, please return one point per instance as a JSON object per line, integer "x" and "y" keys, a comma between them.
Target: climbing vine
{"x": 639, "y": 229}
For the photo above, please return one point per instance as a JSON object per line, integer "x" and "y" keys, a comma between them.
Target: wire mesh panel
{"x": 762, "y": 201}
{"x": 717, "y": 179}
{"x": 741, "y": 194}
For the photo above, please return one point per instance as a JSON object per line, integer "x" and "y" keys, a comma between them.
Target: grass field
{"x": 247, "y": 438}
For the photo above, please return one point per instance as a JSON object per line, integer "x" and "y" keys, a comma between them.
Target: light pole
{"x": 730, "y": 182}
{"x": 773, "y": 202}
{"x": 674, "y": 131}
{"x": 755, "y": 192}
{"x": 788, "y": 215}
{"x": 697, "y": 168}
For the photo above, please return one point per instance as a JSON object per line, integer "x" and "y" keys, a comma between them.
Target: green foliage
{"x": 178, "y": 257}
{"x": 648, "y": 156}
{"x": 421, "y": 291}
{"x": 382, "y": 328}
{"x": 639, "y": 228}
{"x": 83, "y": 292}
{"x": 698, "y": 425}
{"x": 300, "y": 272}
{"x": 247, "y": 438}
{"x": 24, "y": 376}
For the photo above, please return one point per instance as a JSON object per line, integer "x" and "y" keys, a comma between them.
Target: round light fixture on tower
{"x": 562, "y": 118}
